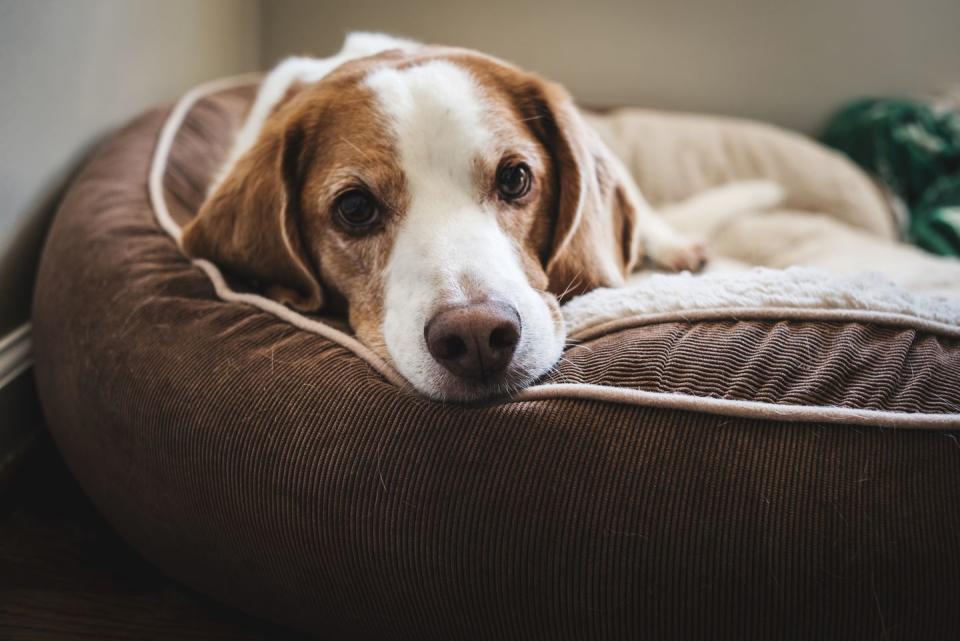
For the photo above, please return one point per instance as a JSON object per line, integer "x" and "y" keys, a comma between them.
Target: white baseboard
{"x": 16, "y": 354}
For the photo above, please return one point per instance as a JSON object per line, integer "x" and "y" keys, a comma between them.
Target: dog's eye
{"x": 513, "y": 181}
{"x": 356, "y": 209}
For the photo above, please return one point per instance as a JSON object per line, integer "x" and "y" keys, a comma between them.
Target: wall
{"x": 72, "y": 71}
{"x": 791, "y": 63}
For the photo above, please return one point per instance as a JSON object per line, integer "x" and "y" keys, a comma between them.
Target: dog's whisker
{"x": 574, "y": 282}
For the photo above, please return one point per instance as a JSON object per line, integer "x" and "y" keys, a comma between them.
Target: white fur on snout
{"x": 428, "y": 268}
{"x": 448, "y": 237}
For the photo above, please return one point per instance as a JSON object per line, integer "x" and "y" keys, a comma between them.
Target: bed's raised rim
{"x": 547, "y": 391}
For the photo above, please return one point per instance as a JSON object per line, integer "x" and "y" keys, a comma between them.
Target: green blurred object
{"x": 915, "y": 150}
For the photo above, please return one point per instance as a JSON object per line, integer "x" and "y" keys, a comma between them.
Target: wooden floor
{"x": 65, "y": 575}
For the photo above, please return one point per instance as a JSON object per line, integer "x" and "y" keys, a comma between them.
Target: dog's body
{"x": 444, "y": 200}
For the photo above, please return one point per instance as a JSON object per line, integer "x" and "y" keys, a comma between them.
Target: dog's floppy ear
{"x": 595, "y": 241}
{"x": 249, "y": 225}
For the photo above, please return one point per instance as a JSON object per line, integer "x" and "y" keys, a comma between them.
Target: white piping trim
{"x": 724, "y": 407}
{"x": 16, "y": 354}
{"x": 168, "y": 134}
{"x": 743, "y": 409}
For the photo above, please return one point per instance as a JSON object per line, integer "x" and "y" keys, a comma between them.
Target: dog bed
{"x": 773, "y": 461}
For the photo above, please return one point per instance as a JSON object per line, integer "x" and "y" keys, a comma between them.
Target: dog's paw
{"x": 679, "y": 254}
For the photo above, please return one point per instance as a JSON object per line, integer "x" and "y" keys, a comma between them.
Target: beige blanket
{"x": 834, "y": 217}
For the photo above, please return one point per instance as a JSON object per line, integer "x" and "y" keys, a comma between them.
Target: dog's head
{"x": 442, "y": 199}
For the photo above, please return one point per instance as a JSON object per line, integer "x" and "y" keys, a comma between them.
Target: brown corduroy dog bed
{"x": 724, "y": 478}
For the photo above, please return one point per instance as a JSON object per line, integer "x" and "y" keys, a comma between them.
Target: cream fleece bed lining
{"x": 797, "y": 293}
{"x": 609, "y": 310}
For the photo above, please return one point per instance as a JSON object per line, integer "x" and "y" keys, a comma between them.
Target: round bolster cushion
{"x": 278, "y": 471}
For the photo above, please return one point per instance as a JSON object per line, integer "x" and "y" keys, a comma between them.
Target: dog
{"x": 444, "y": 201}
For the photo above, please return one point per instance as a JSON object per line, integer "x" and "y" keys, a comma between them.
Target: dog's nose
{"x": 474, "y": 341}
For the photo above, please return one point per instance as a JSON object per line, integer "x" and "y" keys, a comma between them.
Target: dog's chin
{"x": 449, "y": 388}
{"x": 436, "y": 383}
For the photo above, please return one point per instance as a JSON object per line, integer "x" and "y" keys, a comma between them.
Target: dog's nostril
{"x": 503, "y": 337}
{"x": 453, "y": 347}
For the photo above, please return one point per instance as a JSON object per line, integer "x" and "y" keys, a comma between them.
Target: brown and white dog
{"x": 442, "y": 199}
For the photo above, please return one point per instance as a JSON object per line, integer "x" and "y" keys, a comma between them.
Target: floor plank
{"x": 65, "y": 575}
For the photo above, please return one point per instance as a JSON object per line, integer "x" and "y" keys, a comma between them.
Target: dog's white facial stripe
{"x": 437, "y": 113}
{"x": 449, "y": 244}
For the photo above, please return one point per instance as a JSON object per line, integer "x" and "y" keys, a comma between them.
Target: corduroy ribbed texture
{"x": 820, "y": 363}
{"x": 278, "y": 472}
